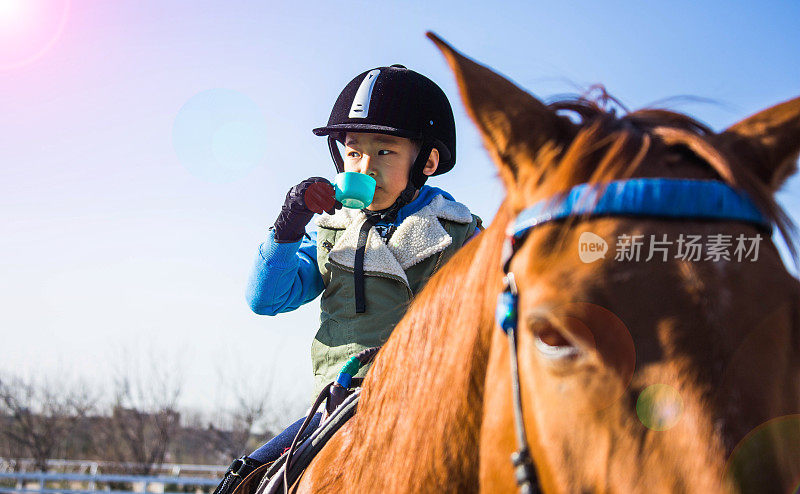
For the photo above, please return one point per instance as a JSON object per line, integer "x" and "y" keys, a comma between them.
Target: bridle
{"x": 664, "y": 198}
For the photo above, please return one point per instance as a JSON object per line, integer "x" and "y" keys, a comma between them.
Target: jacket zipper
{"x": 439, "y": 260}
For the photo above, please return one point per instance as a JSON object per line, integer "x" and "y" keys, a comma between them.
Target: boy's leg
{"x": 275, "y": 447}
{"x": 267, "y": 453}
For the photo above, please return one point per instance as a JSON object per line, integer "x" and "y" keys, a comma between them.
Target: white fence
{"x": 91, "y": 466}
{"x": 85, "y": 477}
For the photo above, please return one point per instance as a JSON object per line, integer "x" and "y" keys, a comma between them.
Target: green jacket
{"x": 393, "y": 274}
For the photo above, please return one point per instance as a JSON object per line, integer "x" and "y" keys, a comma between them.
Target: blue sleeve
{"x": 285, "y": 276}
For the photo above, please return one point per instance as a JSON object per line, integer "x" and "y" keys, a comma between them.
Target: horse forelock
{"x": 644, "y": 143}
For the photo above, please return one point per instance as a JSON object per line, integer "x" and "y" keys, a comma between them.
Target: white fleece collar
{"x": 418, "y": 237}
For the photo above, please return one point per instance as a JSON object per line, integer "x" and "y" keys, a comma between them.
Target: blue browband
{"x": 652, "y": 197}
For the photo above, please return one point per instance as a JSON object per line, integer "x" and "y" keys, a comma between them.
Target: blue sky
{"x": 115, "y": 239}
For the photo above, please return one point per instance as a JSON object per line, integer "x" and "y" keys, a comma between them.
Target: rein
{"x": 640, "y": 197}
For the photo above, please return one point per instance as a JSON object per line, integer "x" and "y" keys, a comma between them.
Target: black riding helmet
{"x": 400, "y": 102}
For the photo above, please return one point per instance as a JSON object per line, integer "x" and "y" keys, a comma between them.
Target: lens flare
{"x": 596, "y": 329}
{"x": 770, "y": 451}
{"x": 659, "y": 407}
{"x": 28, "y": 29}
{"x": 10, "y": 11}
{"x": 220, "y": 135}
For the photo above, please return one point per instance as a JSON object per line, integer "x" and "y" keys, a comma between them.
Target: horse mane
{"x": 608, "y": 147}
{"x": 434, "y": 356}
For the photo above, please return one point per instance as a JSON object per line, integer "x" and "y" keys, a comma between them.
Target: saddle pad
{"x": 273, "y": 480}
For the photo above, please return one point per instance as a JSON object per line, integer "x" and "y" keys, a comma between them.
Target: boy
{"x": 397, "y": 126}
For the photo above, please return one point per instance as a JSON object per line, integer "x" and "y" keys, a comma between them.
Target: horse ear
{"x": 770, "y": 140}
{"x": 515, "y": 125}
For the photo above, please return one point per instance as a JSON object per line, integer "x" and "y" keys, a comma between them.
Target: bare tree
{"x": 12, "y": 452}
{"x": 144, "y": 417}
{"x": 247, "y": 405}
{"x": 234, "y": 422}
{"x": 39, "y": 416}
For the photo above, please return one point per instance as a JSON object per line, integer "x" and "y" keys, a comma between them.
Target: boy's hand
{"x": 313, "y": 195}
{"x": 319, "y": 195}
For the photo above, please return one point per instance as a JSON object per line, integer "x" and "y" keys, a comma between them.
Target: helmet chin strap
{"x": 338, "y": 162}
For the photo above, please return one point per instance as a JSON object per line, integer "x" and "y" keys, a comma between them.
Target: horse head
{"x": 673, "y": 365}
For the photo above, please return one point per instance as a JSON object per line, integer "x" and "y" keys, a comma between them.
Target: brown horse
{"x": 668, "y": 375}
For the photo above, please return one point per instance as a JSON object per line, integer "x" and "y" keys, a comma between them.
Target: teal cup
{"x": 354, "y": 190}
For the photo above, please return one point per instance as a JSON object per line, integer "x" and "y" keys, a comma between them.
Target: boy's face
{"x": 386, "y": 158}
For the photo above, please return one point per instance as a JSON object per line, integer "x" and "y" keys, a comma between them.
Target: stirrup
{"x": 236, "y": 473}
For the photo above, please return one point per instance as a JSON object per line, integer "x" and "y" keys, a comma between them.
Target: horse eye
{"x": 552, "y": 344}
{"x": 551, "y": 337}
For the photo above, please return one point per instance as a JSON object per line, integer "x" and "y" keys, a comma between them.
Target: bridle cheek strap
{"x": 524, "y": 469}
